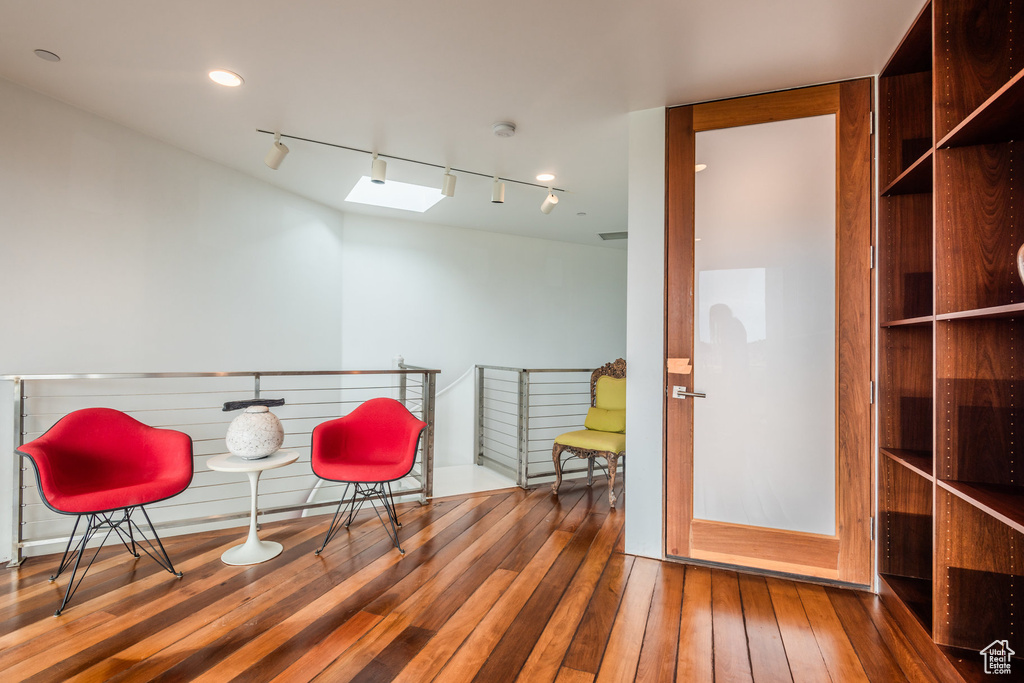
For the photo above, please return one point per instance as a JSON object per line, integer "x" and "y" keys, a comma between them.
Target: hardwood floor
{"x": 506, "y": 586}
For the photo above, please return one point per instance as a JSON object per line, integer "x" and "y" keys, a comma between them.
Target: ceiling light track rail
{"x": 410, "y": 161}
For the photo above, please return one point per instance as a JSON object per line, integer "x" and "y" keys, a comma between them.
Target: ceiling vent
{"x": 613, "y": 235}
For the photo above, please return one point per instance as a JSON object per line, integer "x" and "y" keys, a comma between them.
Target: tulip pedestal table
{"x": 253, "y": 551}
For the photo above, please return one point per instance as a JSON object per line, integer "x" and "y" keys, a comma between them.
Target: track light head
{"x": 276, "y": 154}
{"x": 497, "y": 192}
{"x": 448, "y": 183}
{"x": 378, "y": 170}
{"x": 549, "y": 203}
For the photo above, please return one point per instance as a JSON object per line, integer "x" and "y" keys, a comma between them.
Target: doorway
{"x": 768, "y": 332}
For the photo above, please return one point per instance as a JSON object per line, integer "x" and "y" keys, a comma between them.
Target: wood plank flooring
{"x": 505, "y": 586}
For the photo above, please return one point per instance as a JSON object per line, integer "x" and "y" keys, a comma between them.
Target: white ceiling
{"x": 425, "y": 79}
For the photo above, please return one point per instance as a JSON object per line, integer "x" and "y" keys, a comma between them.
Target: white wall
{"x": 645, "y": 329}
{"x": 449, "y": 298}
{"x": 125, "y": 254}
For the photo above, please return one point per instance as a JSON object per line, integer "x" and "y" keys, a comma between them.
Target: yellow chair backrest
{"x": 610, "y": 393}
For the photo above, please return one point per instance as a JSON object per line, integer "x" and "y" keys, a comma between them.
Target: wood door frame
{"x": 847, "y": 556}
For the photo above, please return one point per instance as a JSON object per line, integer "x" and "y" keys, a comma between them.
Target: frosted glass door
{"x": 764, "y": 438}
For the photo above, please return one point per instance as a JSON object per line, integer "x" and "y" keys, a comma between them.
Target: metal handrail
{"x": 37, "y": 409}
{"x": 406, "y": 370}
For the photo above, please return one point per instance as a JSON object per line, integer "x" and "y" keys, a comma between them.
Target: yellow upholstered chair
{"x": 605, "y": 433}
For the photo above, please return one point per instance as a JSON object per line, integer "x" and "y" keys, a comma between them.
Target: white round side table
{"x": 253, "y": 551}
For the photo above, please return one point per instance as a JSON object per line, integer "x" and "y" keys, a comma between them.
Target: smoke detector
{"x": 504, "y": 129}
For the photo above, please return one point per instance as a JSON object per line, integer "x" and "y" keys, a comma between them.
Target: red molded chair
{"x": 102, "y": 465}
{"x": 369, "y": 448}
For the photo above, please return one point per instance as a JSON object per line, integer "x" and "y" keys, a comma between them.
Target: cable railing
{"x": 520, "y": 412}
{"x": 192, "y": 403}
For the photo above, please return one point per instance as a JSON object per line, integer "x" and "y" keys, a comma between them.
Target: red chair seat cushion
{"x": 368, "y": 473}
{"x": 98, "y": 459}
{"x": 376, "y": 442}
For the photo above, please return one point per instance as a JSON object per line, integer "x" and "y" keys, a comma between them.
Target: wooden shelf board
{"x": 998, "y": 119}
{"x": 906, "y": 322}
{"x": 914, "y": 53}
{"x": 1005, "y": 503}
{"x": 1007, "y": 311}
{"x": 915, "y": 594}
{"x": 968, "y": 664}
{"x": 919, "y": 462}
{"x": 917, "y": 179}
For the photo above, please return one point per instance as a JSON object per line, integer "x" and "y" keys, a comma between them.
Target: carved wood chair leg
{"x": 612, "y": 462}
{"x": 590, "y": 471}
{"x": 556, "y": 452}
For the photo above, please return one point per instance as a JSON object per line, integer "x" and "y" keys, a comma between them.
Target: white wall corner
{"x": 645, "y": 322}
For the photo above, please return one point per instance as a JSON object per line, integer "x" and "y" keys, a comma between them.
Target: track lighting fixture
{"x": 378, "y": 170}
{"x": 448, "y": 183}
{"x": 549, "y": 203}
{"x": 497, "y": 192}
{"x": 276, "y": 154}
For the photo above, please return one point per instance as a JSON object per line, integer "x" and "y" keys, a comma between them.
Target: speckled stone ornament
{"x": 1020, "y": 262}
{"x": 255, "y": 434}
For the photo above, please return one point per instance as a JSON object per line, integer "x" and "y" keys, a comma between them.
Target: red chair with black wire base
{"x": 102, "y": 465}
{"x": 369, "y": 448}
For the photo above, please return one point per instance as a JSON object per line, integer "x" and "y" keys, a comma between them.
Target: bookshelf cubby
{"x": 951, "y": 330}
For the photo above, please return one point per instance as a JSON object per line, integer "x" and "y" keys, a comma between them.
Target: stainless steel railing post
{"x": 523, "y": 431}
{"x": 17, "y": 514}
{"x": 478, "y": 430}
{"x": 428, "y": 447}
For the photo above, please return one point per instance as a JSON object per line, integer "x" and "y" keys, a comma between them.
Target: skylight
{"x": 394, "y": 195}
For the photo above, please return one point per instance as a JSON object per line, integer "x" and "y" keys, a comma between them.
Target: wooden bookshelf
{"x": 917, "y": 179}
{"x": 916, "y": 595}
{"x": 998, "y": 119}
{"x": 920, "y": 462}
{"x": 1005, "y": 503}
{"x": 951, "y": 305}
{"x": 1007, "y": 311}
{"x": 906, "y": 322}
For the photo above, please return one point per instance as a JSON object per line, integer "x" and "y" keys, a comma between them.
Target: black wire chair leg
{"x": 135, "y": 552}
{"x": 92, "y": 525}
{"x": 392, "y": 497}
{"x": 335, "y": 527}
{"x": 127, "y": 539}
{"x": 64, "y": 561}
{"x": 391, "y": 525}
{"x": 354, "y": 507}
{"x": 157, "y": 552}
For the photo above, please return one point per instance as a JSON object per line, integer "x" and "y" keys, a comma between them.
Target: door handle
{"x": 681, "y": 392}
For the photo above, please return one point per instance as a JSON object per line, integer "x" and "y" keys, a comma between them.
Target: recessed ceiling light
{"x": 394, "y": 195}
{"x": 699, "y": 167}
{"x": 545, "y": 177}
{"x": 581, "y": 213}
{"x": 228, "y": 78}
{"x": 47, "y": 55}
